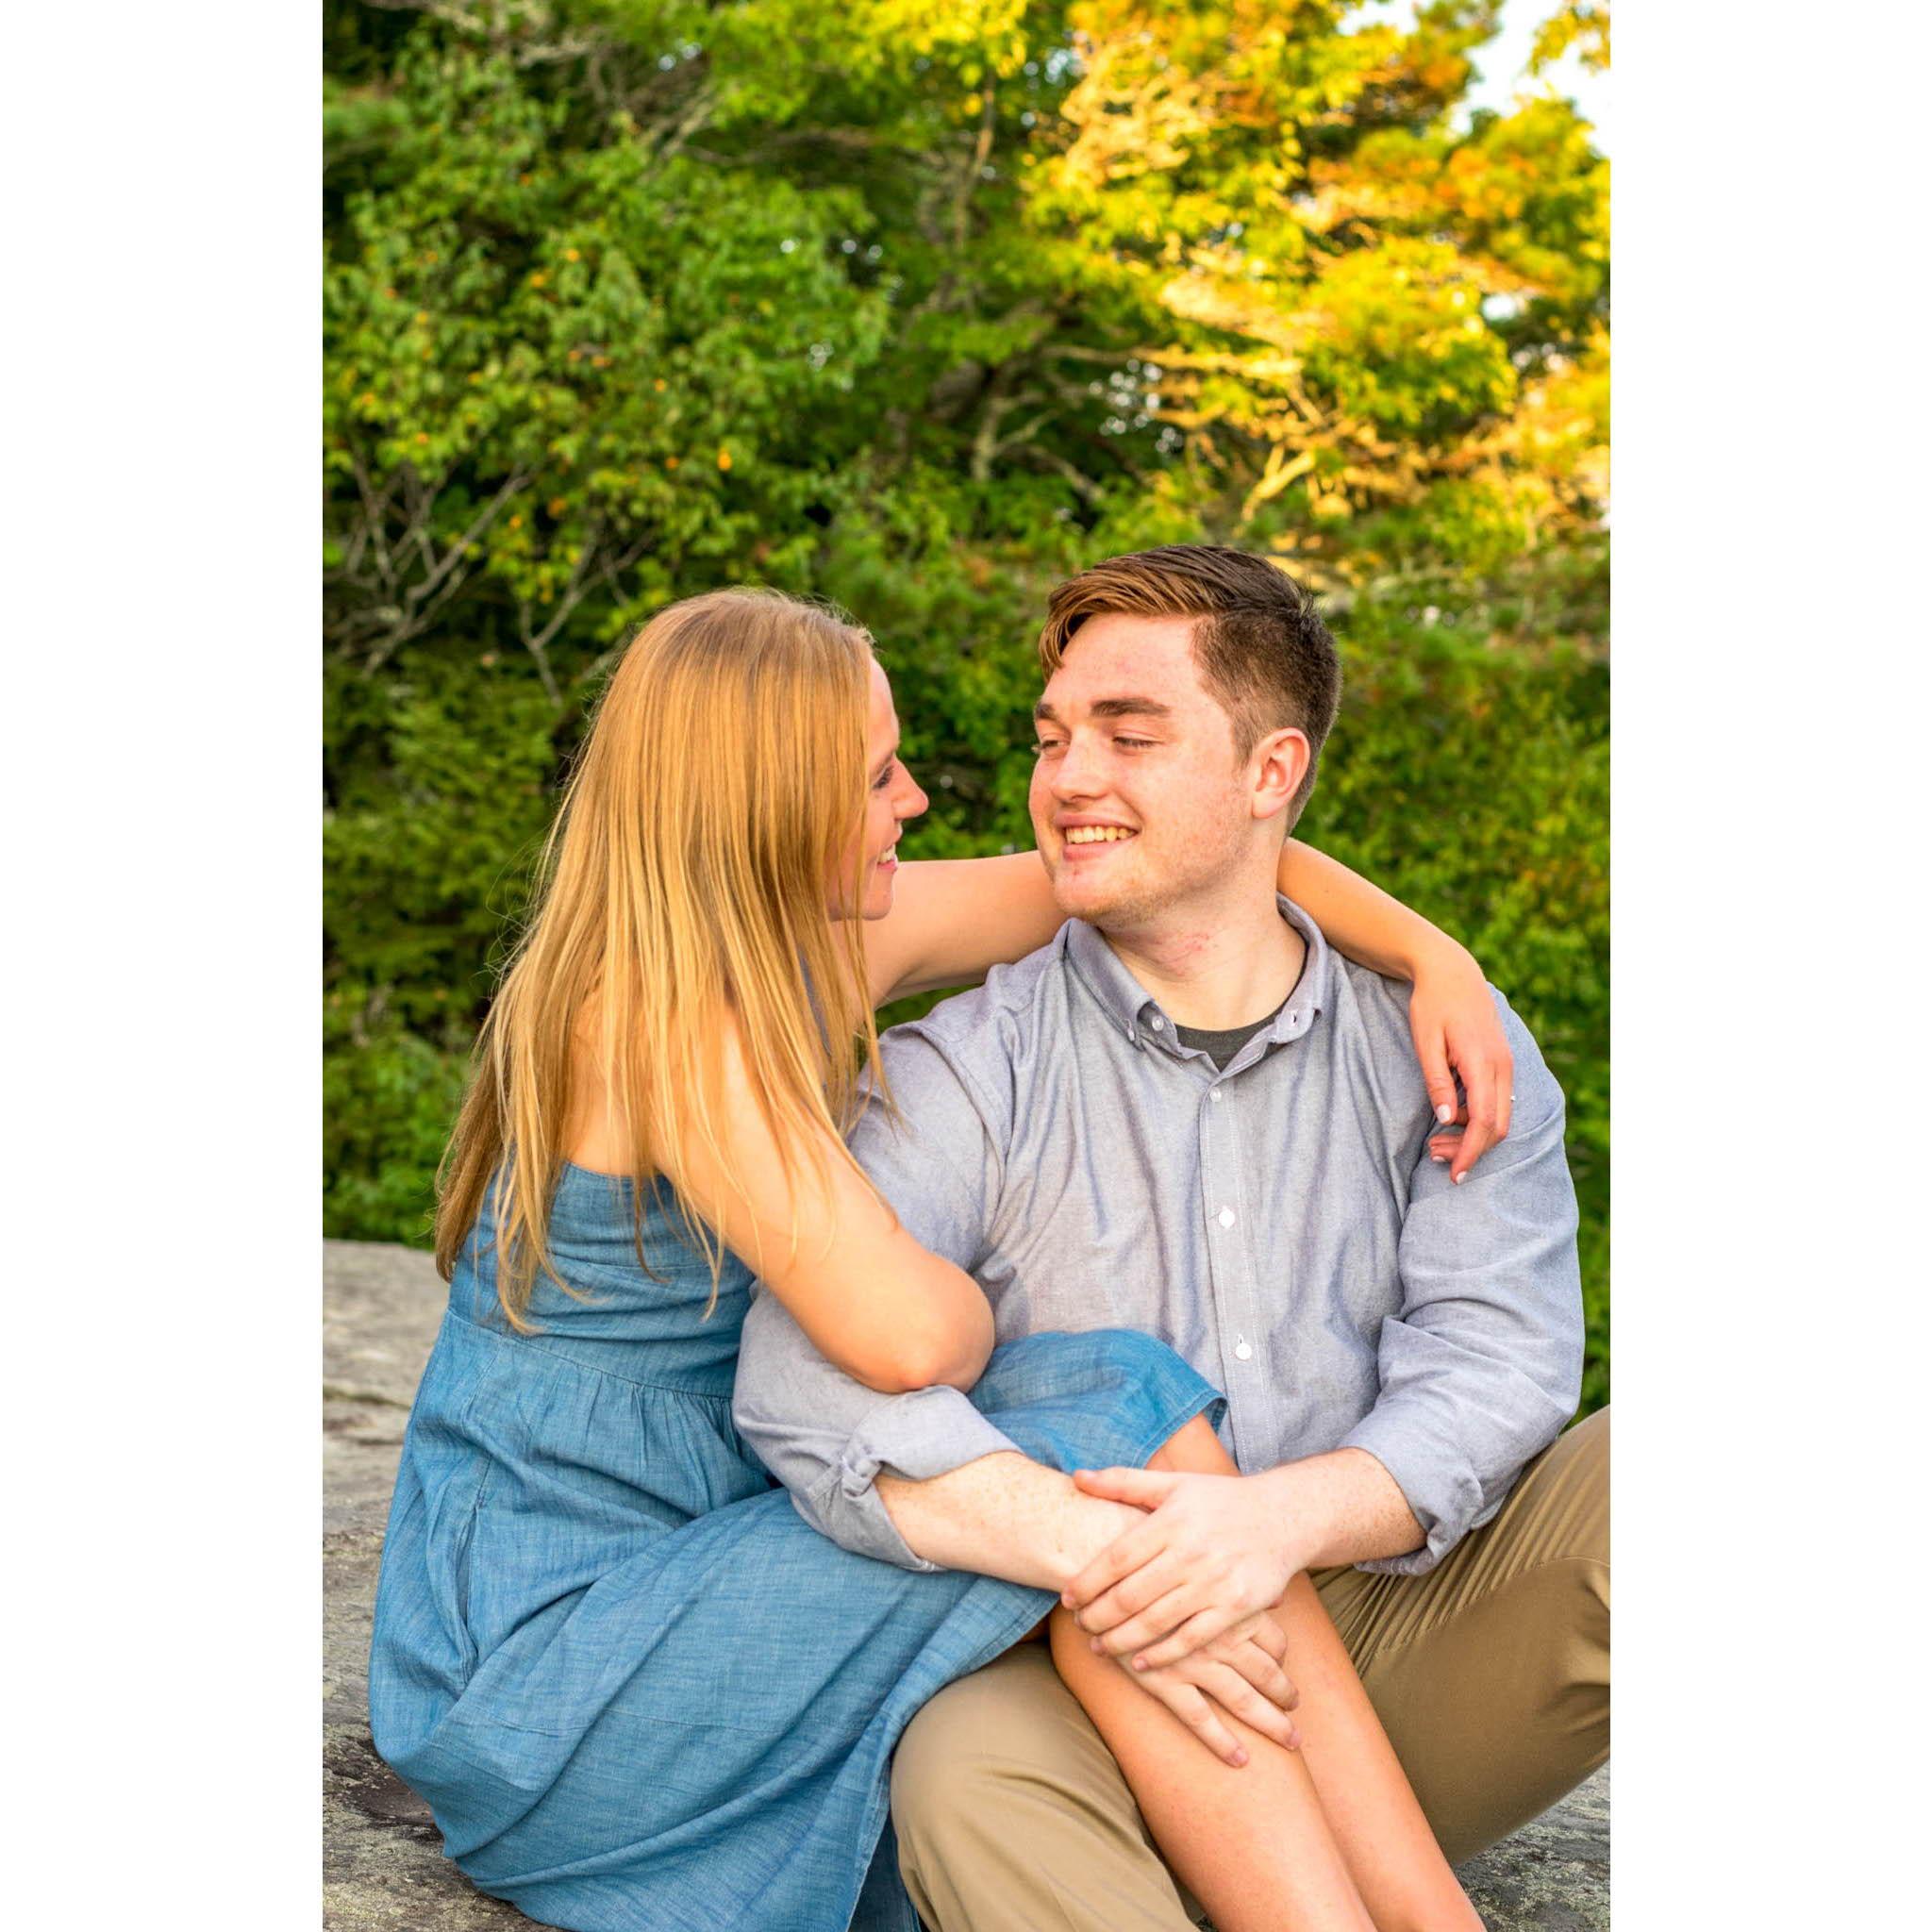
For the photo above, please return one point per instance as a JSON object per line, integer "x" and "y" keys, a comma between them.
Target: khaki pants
{"x": 1491, "y": 1675}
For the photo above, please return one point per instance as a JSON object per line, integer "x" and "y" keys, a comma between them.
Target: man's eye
{"x": 1134, "y": 743}
{"x": 1042, "y": 746}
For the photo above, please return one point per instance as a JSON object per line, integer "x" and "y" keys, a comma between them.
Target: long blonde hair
{"x": 686, "y": 873}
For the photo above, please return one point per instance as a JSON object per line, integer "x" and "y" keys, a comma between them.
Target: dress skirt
{"x": 638, "y": 1693}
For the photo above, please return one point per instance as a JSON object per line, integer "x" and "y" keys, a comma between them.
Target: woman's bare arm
{"x": 1452, "y": 1018}
{"x": 875, "y": 1303}
{"x": 953, "y": 919}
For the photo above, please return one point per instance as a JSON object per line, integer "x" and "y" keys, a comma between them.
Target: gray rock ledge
{"x": 382, "y": 1858}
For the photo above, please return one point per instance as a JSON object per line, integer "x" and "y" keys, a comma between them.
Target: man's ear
{"x": 1278, "y": 763}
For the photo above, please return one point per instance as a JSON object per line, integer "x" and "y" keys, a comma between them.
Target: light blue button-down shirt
{"x": 1280, "y": 1225}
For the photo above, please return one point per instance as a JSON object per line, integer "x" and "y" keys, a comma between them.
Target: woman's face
{"x": 891, "y": 799}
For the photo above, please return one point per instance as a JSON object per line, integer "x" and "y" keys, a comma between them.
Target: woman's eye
{"x": 883, "y": 779}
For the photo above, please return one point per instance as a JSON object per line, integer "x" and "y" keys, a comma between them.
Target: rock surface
{"x": 382, "y": 1860}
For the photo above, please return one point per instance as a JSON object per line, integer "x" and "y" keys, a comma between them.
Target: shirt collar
{"x": 1129, "y": 1005}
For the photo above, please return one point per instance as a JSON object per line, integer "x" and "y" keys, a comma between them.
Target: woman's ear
{"x": 1278, "y": 764}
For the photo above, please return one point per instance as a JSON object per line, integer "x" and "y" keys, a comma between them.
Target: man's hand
{"x": 1237, "y": 1674}
{"x": 1213, "y": 1550}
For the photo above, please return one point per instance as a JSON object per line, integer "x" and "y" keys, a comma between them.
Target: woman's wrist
{"x": 1435, "y": 957}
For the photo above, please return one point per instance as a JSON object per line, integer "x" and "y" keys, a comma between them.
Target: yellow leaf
{"x": 723, "y": 459}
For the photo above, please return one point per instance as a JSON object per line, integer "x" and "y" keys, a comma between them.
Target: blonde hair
{"x": 686, "y": 874}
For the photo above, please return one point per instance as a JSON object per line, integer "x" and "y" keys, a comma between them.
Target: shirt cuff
{"x": 919, "y": 1435}
{"x": 1436, "y": 1481}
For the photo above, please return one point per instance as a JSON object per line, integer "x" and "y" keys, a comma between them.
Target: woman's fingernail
{"x": 1067, "y": 1598}
{"x": 1446, "y": 1114}
{"x": 1140, "y": 1663}
{"x": 1093, "y": 1645}
{"x": 1439, "y": 1158}
{"x": 1460, "y": 1178}
{"x": 1240, "y": 1758}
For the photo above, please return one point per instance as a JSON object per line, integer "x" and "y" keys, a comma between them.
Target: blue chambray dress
{"x": 637, "y": 1691}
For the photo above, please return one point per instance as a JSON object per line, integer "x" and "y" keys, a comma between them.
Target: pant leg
{"x": 1012, "y": 1815}
{"x": 1491, "y": 1675}
{"x": 1492, "y": 1672}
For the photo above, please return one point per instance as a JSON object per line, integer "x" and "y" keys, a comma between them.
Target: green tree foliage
{"x": 919, "y": 307}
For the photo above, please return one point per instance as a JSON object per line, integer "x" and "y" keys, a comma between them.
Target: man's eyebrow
{"x": 1109, "y": 708}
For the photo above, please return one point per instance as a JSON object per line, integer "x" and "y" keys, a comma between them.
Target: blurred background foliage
{"x": 919, "y": 307}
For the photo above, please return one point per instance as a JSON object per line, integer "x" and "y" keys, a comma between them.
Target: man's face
{"x": 1138, "y": 800}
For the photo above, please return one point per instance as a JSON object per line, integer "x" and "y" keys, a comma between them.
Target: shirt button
{"x": 1214, "y": 1093}
{"x": 1156, "y": 1023}
{"x": 1243, "y": 1352}
{"x": 1226, "y": 1217}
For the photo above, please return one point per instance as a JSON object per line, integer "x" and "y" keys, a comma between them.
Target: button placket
{"x": 1225, "y": 1271}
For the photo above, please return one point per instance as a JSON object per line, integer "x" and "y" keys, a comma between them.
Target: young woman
{"x": 635, "y": 1686}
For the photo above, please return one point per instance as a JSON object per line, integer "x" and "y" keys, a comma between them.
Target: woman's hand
{"x": 1239, "y": 1675}
{"x": 1458, "y": 1033}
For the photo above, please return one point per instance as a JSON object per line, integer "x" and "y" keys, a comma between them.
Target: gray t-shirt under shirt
{"x": 1222, "y": 1045}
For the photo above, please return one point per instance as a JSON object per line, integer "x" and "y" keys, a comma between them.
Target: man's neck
{"x": 1214, "y": 968}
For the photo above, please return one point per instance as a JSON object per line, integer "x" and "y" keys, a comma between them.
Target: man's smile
{"x": 1095, "y": 832}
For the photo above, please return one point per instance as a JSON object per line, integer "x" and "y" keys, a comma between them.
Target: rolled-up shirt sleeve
{"x": 1484, "y": 1364}
{"x": 824, "y": 1435}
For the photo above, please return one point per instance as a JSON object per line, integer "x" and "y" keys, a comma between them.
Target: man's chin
{"x": 1087, "y": 899}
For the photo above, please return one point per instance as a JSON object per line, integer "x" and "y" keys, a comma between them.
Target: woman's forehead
{"x": 881, "y": 722}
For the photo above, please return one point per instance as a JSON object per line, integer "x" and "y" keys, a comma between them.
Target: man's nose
{"x": 1076, "y": 773}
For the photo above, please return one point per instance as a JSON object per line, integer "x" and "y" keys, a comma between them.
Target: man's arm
{"x": 1479, "y": 1371}
{"x": 1484, "y": 1364}
{"x": 827, "y": 1437}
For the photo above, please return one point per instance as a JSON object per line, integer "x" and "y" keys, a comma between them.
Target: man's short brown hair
{"x": 1262, "y": 650}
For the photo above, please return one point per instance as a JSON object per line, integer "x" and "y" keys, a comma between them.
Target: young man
{"x": 1188, "y": 1116}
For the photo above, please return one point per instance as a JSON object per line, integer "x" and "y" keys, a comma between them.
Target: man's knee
{"x": 1568, "y": 1535}
{"x": 934, "y": 1753}
{"x": 1011, "y": 1812}
{"x": 1566, "y": 1494}
{"x": 1011, "y": 1726}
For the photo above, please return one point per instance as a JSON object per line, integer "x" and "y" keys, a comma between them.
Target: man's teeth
{"x": 1097, "y": 835}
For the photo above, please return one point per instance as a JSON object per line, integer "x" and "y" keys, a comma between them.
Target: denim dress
{"x": 637, "y": 1691}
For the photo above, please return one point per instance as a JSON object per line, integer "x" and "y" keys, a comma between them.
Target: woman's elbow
{"x": 948, "y": 1355}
